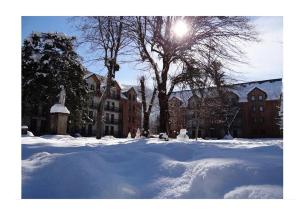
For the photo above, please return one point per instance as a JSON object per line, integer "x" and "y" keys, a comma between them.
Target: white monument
{"x": 59, "y": 114}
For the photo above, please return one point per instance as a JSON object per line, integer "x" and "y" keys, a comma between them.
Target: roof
{"x": 89, "y": 74}
{"x": 273, "y": 89}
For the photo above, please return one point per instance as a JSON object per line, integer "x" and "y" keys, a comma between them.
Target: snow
{"x": 66, "y": 167}
{"x": 138, "y": 134}
{"x": 36, "y": 57}
{"x": 29, "y": 133}
{"x": 59, "y": 108}
{"x": 228, "y": 136}
{"x": 183, "y": 135}
{"x": 256, "y": 192}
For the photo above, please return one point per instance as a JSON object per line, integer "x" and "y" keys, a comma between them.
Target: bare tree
{"x": 106, "y": 37}
{"x": 146, "y": 111}
{"x": 158, "y": 45}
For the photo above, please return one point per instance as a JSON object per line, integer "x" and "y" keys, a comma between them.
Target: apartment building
{"x": 258, "y": 104}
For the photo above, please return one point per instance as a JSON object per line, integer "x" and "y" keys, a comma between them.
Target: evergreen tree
{"x": 48, "y": 61}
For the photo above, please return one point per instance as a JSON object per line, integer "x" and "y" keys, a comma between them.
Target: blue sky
{"x": 264, "y": 58}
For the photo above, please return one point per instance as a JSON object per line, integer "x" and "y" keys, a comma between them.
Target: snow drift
{"x": 67, "y": 167}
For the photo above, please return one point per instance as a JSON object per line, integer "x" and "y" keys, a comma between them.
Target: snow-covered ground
{"x": 67, "y": 167}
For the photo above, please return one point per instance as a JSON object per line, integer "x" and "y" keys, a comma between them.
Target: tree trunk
{"x": 100, "y": 110}
{"x": 197, "y": 129}
{"x": 164, "y": 112}
{"x": 146, "y": 124}
{"x": 146, "y": 111}
{"x": 100, "y": 121}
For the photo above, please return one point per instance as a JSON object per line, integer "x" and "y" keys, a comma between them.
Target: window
{"x": 111, "y": 130}
{"x": 112, "y": 117}
{"x": 253, "y": 98}
{"x": 91, "y": 114}
{"x": 253, "y": 108}
{"x": 260, "y": 97}
{"x": 132, "y": 119}
{"x": 129, "y": 96}
{"x": 261, "y": 108}
{"x": 133, "y": 108}
{"x": 107, "y": 117}
{"x": 113, "y": 105}
{"x": 92, "y": 87}
{"x": 113, "y": 94}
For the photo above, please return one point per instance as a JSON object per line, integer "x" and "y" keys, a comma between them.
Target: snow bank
{"x": 256, "y": 192}
{"x": 59, "y": 108}
{"x": 67, "y": 167}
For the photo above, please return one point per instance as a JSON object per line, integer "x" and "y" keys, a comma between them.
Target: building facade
{"x": 255, "y": 114}
{"x": 122, "y": 110}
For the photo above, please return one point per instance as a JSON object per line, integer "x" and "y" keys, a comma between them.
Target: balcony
{"x": 112, "y": 109}
{"x": 112, "y": 121}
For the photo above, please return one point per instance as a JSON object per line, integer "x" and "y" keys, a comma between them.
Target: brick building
{"x": 131, "y": 116}
{"x": 257, "y": 102}
{"x": 122, "y": 110}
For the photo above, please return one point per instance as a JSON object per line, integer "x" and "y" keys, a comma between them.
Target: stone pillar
{"x": 59, "y": 119}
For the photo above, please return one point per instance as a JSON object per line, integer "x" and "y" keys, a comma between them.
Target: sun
{"x": 180, "y": 28}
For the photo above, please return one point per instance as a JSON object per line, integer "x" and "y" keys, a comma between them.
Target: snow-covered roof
{"x": 273, "y": 89}
{"x": 123, "y": 96}
{"x": 59, "y": 108}
{"x": 100, "y": 77}
{"x": 176, "y": 98}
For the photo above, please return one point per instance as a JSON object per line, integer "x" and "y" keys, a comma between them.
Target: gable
{"x": 255, "y": 93}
